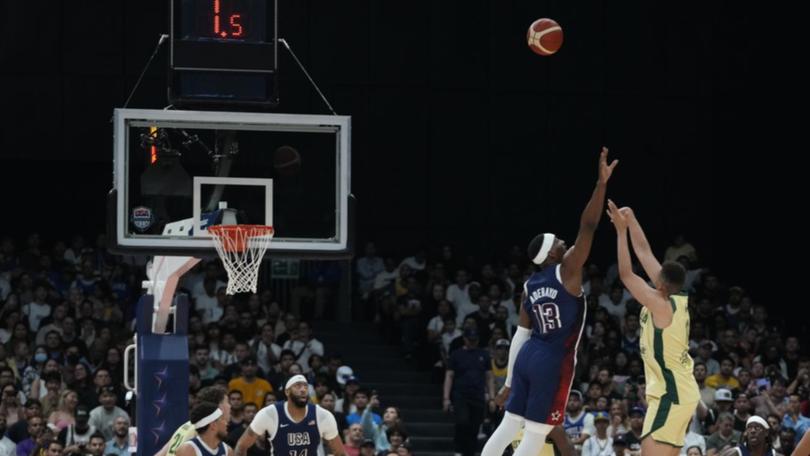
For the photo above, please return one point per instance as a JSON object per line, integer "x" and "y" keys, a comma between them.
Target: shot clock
{"x": 223, "y": 53}
{"x": 243, "y": 21}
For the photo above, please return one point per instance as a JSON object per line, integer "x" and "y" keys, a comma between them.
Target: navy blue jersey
{"x": 555, "y": 313}
{"x": 296, "y": 439}
{"x": 744, "y": 451}
{"x": 203, "y": 450}
{"x": 557, "y": 320}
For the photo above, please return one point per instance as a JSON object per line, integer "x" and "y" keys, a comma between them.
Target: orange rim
{"x": 237, "y": 235}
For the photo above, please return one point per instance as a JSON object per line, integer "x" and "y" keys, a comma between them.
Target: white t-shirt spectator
{"x": 199, "y": 289}
{"x": 693, "y": 439}
{"x": 220, "y": 355}
{"x": 212, "y": 314}
{"x": 35, "y": 313}
{"x": 262, "y": 351}
{"x": 367, "y": 270}
{"x": 465, "y": 309}
{"x": 457, "y": 296}
{"x": 448, "y": 338}
{"x": 103, "y": 420}
{"x": 385, "y": 279}
{"x": 436, "y": 324}
{"x": 616, "y": 310}
{"x": 7, "y": 447}
{"x": 206, "y": 306}
{"x": 413, "y": 263}
{"x": 304, "y": 350}
{"x": 595, "y": 446}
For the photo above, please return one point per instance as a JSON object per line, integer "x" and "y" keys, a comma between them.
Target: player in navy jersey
{"x": 294, "y": 427}
{"x": 542, "y": 355}
{"x": 211, "y": 425}
{"x": 756, "y": 441}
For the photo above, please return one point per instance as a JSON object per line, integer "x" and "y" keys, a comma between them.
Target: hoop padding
{"x": 241, "y": 248}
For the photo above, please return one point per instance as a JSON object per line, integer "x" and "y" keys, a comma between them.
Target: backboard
{"x": 177, "y": 172}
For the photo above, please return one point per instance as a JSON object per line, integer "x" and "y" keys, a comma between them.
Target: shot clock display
{"x": 243, "y": 20}
{"x": 223, "y": 50}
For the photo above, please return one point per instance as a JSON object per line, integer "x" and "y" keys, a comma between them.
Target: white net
{"x": 241, "y": 248}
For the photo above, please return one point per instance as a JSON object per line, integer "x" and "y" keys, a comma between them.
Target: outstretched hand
{"x": 617, "y": 217}
{"x": 605, "y": 170}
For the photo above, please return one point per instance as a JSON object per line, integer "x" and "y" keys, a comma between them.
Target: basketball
{"x": 545, "y": 36}
{"x": 286, "y": 160}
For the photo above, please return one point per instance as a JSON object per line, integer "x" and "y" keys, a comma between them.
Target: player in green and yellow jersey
{"x": 672, "y": 392}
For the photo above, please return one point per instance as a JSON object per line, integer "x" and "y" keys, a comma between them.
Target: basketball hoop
{"x": 241, "y": 248}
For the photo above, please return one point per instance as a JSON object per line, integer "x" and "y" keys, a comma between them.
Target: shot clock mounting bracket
{"x": 223, "y": 54}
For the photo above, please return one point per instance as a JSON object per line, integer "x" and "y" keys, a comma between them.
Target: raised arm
{"x": 367, "y": 418}
{"x": 646, "y": 295}
{"x": 449, "y": 374}
{"x": 642, "y": 247}
{"x": 575, "y": 257}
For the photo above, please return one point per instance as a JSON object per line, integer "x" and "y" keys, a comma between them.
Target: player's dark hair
{"x": 673, "y": 274}
{"x": 214, "y": 394}
{"x": 534, "y": 245}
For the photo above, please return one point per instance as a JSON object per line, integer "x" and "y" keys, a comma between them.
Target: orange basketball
{"x": 545, "y": 36}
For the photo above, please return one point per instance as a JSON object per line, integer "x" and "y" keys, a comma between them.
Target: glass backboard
{"x": 173, "y": 168}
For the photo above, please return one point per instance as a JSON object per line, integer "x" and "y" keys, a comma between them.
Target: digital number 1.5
{"x": 236, "y": 29}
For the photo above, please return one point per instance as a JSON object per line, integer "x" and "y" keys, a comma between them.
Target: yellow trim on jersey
{"x": 182, "y": 435}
